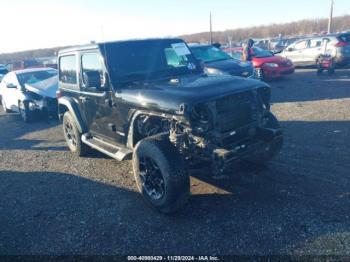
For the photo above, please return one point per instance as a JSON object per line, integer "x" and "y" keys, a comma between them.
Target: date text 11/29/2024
{"x": 173, "y": 258}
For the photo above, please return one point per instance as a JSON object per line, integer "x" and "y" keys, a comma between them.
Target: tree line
{"x": 302, "y": 27}
{"x": 298, "y": 28}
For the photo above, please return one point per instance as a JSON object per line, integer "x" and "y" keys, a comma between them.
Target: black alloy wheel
{"x": 151, "y": 178}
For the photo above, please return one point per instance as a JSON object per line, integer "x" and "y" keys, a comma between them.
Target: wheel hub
{"x": 151, "y": 178}
{"x": 68, "y": 129}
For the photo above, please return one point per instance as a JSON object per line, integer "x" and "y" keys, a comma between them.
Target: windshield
{"x": 35, "y": 76}
{"x": 259, "y": 53}
{"x": 131, "y": 61}
{"x": 209, "y": 53}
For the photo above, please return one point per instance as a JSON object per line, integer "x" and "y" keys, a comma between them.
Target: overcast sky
{"x": 34, "y": 24}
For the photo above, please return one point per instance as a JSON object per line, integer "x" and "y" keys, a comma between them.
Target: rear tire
{"x": 160, "y": 174}
{"x": 270, "y": 149}
{"x": 73, "y": 136}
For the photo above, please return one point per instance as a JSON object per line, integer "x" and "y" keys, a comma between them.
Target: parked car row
{"x": 307, "y": 51}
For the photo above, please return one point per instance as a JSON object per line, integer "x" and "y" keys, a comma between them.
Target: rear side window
{"x": 68, "y": 69}
{"x": 315, "y": 43}
{"x": 91, "y": 62}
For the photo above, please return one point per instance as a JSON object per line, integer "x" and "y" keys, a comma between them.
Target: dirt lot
{"x": 53, "y": 202}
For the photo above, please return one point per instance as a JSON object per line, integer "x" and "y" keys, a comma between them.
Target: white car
{"x": 30, "y": 92}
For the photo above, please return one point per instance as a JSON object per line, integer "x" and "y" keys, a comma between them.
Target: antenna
{"x": 330, "y": 21}
{"x": 104, "y": 47}
{"x": 211, "y": 30}
{"x": 105, "y": 76}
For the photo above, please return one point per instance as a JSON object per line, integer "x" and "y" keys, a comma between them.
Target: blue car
{"x": 217, "y": 62}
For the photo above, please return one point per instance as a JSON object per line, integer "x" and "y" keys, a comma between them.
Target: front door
{"x": 296, "y": 52}
{"x": 96, "y": 103}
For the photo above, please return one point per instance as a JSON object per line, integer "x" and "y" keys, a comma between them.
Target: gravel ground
{"x": 55, "y": 203}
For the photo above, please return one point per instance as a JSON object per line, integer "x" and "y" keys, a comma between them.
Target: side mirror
{"x": 290, "y": 49}
{"x": 10, "y": 85}
{"x": 92, "y": 79}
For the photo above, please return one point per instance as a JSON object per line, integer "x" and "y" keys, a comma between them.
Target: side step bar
{"x": 118, "y": 153}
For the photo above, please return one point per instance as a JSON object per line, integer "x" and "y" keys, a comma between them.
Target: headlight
{"x": 245, "y": 64}
{"x": 271, "y": 64}
{"x": 214, "y": 71}
{"x": 35, "y": 105}
{"x": 200, "y": 118}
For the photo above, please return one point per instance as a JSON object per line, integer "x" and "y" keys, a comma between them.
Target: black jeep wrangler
{"x": 149, "y": 100}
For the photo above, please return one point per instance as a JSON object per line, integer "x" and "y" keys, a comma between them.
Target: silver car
{"x": 306, "y": 51}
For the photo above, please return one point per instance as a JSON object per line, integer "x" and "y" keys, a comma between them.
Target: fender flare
{"x": 133, "y": 116}
{"x": 72, "y": 107}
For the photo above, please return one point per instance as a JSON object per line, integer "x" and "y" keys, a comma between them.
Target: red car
{"x": 267, "y": 65}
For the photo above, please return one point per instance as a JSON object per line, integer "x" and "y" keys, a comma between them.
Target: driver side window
{"x": 91, "y": 62}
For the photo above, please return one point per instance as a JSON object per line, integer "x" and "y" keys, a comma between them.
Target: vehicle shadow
{"x": 15, "y": 134}
{"x": 300, "y": 197}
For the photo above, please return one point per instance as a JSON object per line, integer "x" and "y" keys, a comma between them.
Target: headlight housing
{"x": 271, "y": 64}
{"x": 201, "y": 119}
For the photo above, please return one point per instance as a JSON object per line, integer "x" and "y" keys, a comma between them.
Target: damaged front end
{"x": 37, "y": 104}
{"x": 228, "y": 129}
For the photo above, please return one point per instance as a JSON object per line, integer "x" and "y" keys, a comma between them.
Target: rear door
{"x": 313, "y": 51}
{"x": 300, "y": 49}
{"x": 296, "y": 51}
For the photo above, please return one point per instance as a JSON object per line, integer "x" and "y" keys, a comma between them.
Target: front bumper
{"x": 223, "y": 157}
{"x": 46, "y": 106}
{"x": 277, "y": 72}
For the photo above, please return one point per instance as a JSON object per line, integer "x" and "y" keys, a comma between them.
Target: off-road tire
{"x": 270, "y": 149}
{"x": 73, "y": 136}
{"x": 172, "y": 168}
{"x": 23, "y": 108}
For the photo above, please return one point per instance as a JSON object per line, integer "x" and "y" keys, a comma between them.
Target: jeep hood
{"x": 46, "y": 88}
{"x": 170, "y": 94}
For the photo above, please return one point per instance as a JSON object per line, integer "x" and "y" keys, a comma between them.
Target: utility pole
{"x": 211, "y": 31}
{"x": 330, "y": 18}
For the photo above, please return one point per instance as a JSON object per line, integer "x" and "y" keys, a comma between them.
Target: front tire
{"x": 24, "y": 111}
{"x": 73, "y": 136}
{"x": 4, "y": 106}
{"x": 160, "y": 174}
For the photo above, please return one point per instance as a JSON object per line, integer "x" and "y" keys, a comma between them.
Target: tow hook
{"x": 268, "y": 134}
